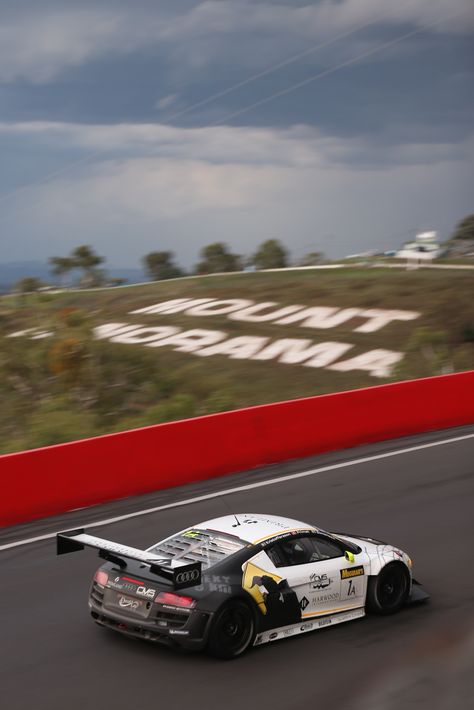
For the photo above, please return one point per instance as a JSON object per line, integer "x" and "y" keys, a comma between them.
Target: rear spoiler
{"x": 181, "y": 576}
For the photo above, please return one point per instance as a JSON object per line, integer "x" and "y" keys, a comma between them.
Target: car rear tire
{"x": 232, "y": 630}
{"x": 388, "y": 591}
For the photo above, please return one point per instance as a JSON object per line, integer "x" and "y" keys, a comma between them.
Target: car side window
{"x": 325, "y": 549}
{"x": 294, "y": 551}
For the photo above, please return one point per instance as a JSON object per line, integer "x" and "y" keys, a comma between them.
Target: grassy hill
{"x": 60, "y": 382}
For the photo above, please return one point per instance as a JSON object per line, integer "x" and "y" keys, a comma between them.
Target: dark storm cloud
{"x": 111, "y": 61}
{"x": 110, "y": 83}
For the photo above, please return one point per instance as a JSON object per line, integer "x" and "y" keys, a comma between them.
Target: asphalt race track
{"x": 54, "y": 657}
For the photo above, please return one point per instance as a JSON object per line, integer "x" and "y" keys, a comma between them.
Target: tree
{"x": 313, "y": 258}
{"x": 83, "y": 257}
{"x": 159, "y": 265}
{"x": 465, "y": 228}
{"x": 60, "y": 266}
{"x": 216, "y": 258}
{"x": 270, "y": 255}
{"x": 28, "y": 284}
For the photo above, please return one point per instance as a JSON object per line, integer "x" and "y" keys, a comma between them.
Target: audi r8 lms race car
{"x": 243, "y": 580}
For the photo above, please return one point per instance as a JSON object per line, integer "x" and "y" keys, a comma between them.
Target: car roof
{"x": 254, "y": 527}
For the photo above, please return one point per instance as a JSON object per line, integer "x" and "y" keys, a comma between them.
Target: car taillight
{"x": 101, "y": 577}
{"x": 175, "y": 600}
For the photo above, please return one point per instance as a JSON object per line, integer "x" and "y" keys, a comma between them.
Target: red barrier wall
{"x": 55, "y": 479}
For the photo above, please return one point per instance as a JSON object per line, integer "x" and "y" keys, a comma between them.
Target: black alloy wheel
{"x": 233, "y": 630}
{"x": 388, "y": 592}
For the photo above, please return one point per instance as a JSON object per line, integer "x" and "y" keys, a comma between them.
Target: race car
{"x": 243, "y": 580}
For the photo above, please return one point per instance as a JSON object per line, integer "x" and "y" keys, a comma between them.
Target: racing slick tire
{"x": 388, "y": 591}
{"x": 233, "y": 630}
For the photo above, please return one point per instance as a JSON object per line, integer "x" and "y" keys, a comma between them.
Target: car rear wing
{"x": 180, "y": 576}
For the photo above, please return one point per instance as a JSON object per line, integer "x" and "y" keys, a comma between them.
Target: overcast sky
{"x": 333, "y": 125}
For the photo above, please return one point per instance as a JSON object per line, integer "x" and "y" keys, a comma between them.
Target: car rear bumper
{"x": 192, "y": 632}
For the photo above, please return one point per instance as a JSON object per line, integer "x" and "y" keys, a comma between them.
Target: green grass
{"x": 111, "y": 387}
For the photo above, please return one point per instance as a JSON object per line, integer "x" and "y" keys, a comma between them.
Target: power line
{"x": 260, "y": 102}
{"x": 332, "y": 70}
{"x": 270, "y": 70}
{"x": 254, "y": 77}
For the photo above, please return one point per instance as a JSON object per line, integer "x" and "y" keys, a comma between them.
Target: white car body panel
{"x": 254, "y": 527}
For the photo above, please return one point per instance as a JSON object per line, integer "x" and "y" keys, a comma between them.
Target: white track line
{"x": 247, "y": 487}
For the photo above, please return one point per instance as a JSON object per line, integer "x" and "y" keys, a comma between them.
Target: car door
{"x": 338, "y": 579}
{"x": 317, "y": 570}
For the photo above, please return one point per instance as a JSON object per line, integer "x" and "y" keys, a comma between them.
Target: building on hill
{"x": 425, "y": 248}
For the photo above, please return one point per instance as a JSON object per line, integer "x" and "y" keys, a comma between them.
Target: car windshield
{"x": 206, "y": 546}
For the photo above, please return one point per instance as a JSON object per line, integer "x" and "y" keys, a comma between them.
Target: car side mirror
{"x": 349, "y": 556}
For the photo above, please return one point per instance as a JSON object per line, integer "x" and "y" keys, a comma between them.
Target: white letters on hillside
{"x": 290, "y": 351}
{"x": 295, "y": 351}
{"x": 218, "y": 308}
{"x": 249, "y": 315}
{"x": 241, "y": 348}
{"x": 190, "y": 340}
{"x": 378, "y": 318}
{"x": 248, "y": 311}
{"x": 378, "y": 362}
{"x": 321, "y": 317}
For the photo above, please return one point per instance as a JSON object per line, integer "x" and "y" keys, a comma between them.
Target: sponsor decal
{"x": 133, "y": 586}
{"x": 347, "y": 573}
{"x": 178, "y": 632}
{"x": 254, "y": 519}
{"x": 325, "y": 598}
{"x": 285, "y": 536}
{"x": 276, "y": 538}
{"x": 324, "y": 622}
{"x": 121, "y": 586}
{"x": 216, "y": 583}
{"x": 304, "y": 603}
{"x": 309, "y": 625}
{"x": 129, "y": 603}
{"x": 146, "y": 592}
{"x": 319, "y": 581}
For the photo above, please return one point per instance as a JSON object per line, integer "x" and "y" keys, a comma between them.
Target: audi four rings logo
{"x": 189, "y": 576}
